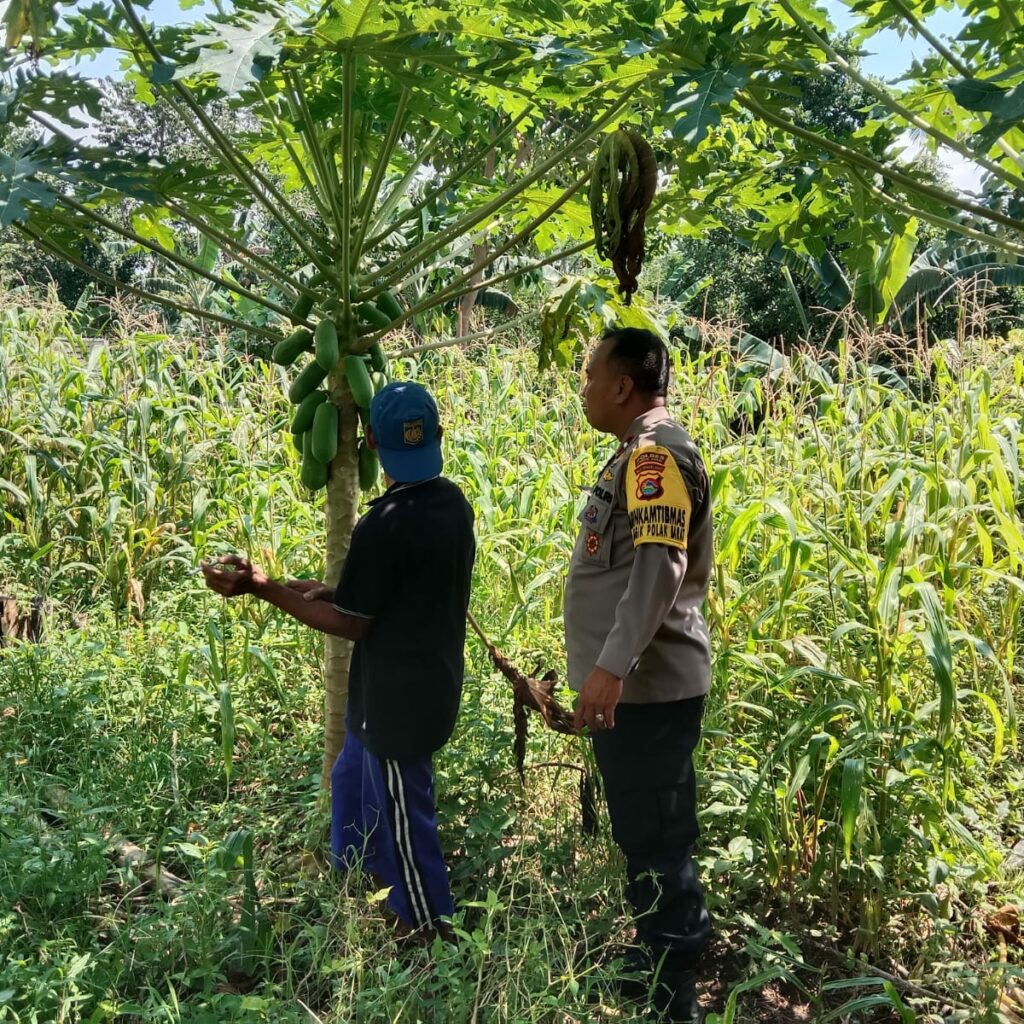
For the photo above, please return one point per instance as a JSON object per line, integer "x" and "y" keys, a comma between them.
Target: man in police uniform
{"x": 638, "y": 649}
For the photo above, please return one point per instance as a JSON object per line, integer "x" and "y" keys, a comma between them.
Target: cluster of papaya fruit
{"x": 316, "y": 424}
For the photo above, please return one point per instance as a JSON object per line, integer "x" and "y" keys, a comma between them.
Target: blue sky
{"x": 886, "y": 55}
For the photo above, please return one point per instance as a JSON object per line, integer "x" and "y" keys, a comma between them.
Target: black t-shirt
{"x": 409, "y": 568}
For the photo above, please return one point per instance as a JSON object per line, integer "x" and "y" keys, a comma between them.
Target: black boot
{"x": 667, "y": 982}
{"x": 675, "y": 997}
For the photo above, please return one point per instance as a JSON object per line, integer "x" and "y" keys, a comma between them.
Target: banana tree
{"x": 361, "y": 115}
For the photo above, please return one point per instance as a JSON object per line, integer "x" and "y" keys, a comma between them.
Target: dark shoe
{"x": 675, "y": 997}
{"x": 409, "y": 938}
{"x": 633, "y": 979}
{"x": 668, "y": 985}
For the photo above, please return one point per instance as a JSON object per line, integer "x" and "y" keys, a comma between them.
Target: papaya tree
{"x": 381, "y": 140}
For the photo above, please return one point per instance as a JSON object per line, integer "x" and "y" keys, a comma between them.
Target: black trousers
{"x": 646, "y": 764}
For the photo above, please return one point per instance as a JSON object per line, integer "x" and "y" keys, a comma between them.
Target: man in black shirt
{"x": 402, "y": 597}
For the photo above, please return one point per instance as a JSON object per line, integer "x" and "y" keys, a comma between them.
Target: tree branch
{"x": 427, "y": 248}
{"x": 465, "y": 339}
{"x": 885, "y": 171}
{"x": 315, "y": 150}
{"x": 458, "y": 174}
{"x": 954, "y": 62}
{"x": 383, "y": 161}
{"x": 298, "y": 163}
{"x": 171, "y": 257}
{"x": 991, "y": 241}
{"x": 219, "y": 146}
{"x": 894, "y": 104}
{"x": 160, "y": 300}
{"x": 453, "y": 290}
{"x": 241, "y": 252}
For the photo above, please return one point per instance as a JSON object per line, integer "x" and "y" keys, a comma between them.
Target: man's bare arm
{"x": 233, "y": 575}
{"x": 321, "y": 615}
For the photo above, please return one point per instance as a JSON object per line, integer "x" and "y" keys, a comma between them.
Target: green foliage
{"x": 860, "y": 777}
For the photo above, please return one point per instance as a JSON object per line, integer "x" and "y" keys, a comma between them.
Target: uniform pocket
{"x": 596, "y": 540}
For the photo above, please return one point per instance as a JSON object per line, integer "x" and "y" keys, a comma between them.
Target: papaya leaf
{"x": 981, "y": 94}
{"x": 350, "y": 20}
{"x": 699, "y": 100}
{"x": 18, "y": 186}
{"x": 236, "y": 53}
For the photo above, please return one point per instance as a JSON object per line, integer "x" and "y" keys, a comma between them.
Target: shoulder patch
{"x": 657, "y": 499}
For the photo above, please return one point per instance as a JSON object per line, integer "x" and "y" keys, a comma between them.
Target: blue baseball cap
{"x": 405, "y": 421}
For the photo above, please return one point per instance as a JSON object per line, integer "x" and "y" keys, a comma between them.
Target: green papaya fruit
{"x": 311, "y": 377}
{"x": 389, "y": 305}
{"x": 325, "y": 433}
{"x": 301, "y": 308}
{"x": 370, "y": 314}
{"x": 287, "y": 350}
{"x": 378, "y": 360}
{"x": 359, "y": 381}
{"x": 314, "y": 472}
{"x": 326, "y": 341}
{"x": 369, "y": 467}
{"x": 303, "y": 418}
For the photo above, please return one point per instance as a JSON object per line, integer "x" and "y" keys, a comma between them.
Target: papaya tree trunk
{"x": 468, "y": 301}
{"x": 342, "y": 510}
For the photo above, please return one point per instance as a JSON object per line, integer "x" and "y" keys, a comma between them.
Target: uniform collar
{"x": 396, "y": 487}
{"x": 647, "y": 419}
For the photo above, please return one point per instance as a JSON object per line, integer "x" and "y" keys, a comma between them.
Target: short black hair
{"x": 642, "y": 355}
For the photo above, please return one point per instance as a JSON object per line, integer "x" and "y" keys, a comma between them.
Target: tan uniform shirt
{"x": 639, "y": 572}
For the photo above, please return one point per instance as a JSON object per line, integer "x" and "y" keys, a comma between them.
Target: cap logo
{"x": 412, "y": 431}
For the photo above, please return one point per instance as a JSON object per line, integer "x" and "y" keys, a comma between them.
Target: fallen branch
{"x": 125, "y": 852}
{"x": 528, "y": 691}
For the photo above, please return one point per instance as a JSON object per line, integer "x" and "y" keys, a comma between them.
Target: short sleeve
{"x": 367, "y": 576}
{"x": 657, "y": 498}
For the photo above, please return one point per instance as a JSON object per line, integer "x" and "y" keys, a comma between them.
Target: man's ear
{"x": 371, "y": 440}
{"x": 624, "y": 390}
{"x": 440, "y": 432}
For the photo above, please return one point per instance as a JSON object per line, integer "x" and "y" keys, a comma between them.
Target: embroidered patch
{"x": 593, "y": 544}
{"x": 657, "y": 500}
{"x": 648, "y": 467}
{"x": 607, "y": 475}
{"x": 591, "y": 514}
{"x": 413, "y": 432}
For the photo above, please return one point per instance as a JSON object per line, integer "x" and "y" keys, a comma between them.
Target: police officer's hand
{"x": 596, "y": 707}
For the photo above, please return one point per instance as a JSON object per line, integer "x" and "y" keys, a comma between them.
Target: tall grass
{"x": 861, "y": 781}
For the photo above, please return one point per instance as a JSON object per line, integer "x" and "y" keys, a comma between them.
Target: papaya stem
{"x": 347, "y": 184}
{"x": 458, "y": 174}
{"x": 380, "y": 167}
{"x": 161, "y": 300}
